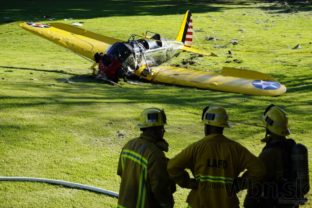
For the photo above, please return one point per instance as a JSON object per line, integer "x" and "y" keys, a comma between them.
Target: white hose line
{"x": 62, "y": 183}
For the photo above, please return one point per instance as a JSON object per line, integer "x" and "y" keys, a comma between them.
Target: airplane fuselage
{"x": 145, "y": 51}
{"x": 159, "y": 55}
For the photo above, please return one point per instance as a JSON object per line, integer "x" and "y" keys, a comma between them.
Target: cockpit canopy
{"x": 120, "y": 50}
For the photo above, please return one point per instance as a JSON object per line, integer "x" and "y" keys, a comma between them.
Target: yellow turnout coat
{"x": 215, "y": 161}
{"x": 145, "y": 182}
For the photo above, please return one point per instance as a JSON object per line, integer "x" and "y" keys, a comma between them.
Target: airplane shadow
{"x": 38, "y": 70}
{"x": 81, "y": 78}
{"x": 84, "y": 78}
{"x": 87, "y": 78}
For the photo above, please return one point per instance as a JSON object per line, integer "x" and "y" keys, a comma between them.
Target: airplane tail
{"x": 185, "y": 34}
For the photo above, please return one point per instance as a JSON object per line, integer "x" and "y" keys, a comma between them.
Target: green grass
{"x": 56, "y": 122}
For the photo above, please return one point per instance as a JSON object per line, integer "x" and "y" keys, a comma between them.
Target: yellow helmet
{"x": 276, "y": 120}
{"x": 215, "y": 116}
{"x": 151, "y": 117}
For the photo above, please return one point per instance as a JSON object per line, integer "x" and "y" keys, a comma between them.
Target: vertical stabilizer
{"x": 185, "y": 34}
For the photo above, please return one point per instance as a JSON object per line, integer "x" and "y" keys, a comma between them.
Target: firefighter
{"x": 145, "y": 182}
{"x": 279, "y": 188}
{"x": 215, "y": 161}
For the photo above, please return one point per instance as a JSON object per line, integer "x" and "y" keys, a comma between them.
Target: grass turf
{"x": 57, "y": 122}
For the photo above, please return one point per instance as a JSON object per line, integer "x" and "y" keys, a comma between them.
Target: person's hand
{"x": 192, "y": 184}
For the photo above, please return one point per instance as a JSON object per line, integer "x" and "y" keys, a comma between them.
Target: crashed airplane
{"x": 145, "y": 57}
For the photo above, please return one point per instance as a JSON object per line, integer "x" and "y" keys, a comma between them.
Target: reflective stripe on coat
{"x": 215, "y": 161}
{"x": 145, "y": 182}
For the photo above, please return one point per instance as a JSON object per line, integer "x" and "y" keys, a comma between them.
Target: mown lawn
{"x": 57, "y": 122}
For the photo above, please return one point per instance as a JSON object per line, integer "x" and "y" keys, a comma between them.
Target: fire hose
{"x": 62, "y": 183}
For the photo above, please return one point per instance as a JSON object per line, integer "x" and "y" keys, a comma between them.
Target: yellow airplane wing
{"x": 78, "y": 40}
{"x": 229, "y": 80}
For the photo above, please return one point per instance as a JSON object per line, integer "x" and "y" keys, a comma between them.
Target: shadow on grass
{"x": 17, "y": 10}
{"x": 10, "y": 126}
{"x": 84, "y": 78}
{"x": 296, "y": 83}
{"x": 284, "y": 7}
{"x": 39, "y": 10}
{"x": 84, "y": 90}
{"x": 300, "y": 84}
{"x": 138, "y": 91}
{"x": 85, "y": 95}
{"x": 38, "y": 70}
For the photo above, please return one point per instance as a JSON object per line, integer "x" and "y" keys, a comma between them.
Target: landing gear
{"x": 147, "y": 71}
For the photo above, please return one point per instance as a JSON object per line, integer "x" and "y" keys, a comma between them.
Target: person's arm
{"x": 119, "y": 169}
{"x": 255, "y": 167}
{"x": 160, "y": 182}
{"x": 177, "y": 169}
{"x": 256, "y": 170}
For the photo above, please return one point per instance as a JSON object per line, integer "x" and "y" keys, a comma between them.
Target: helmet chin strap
{"x": 267, "y": 136}
{"x": 207, "y": 129}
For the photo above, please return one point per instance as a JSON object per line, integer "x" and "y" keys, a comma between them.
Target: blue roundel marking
{"x": 266, "y": 85}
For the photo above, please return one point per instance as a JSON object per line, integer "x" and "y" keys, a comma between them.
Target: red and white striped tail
{"x": 189, "y": 33}
{"x": 185, "y": 34}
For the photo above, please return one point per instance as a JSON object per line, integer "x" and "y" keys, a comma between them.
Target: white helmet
{"x": 215, "y": 116}
{"x": 151, "y": 117}
{"x": 275, "y": 120}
